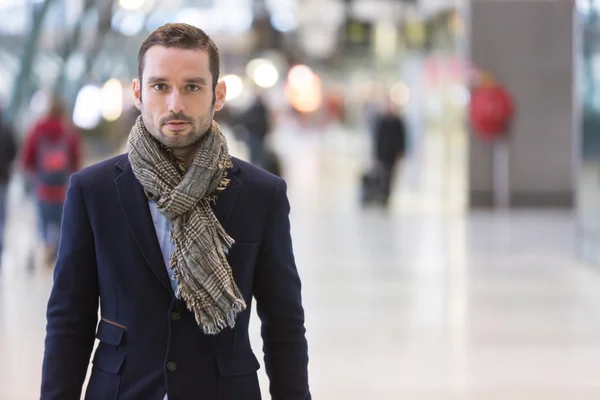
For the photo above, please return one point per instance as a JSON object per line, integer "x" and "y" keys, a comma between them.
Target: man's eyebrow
{"x": 199, "y": 81}
{"x": 154, "y": 79}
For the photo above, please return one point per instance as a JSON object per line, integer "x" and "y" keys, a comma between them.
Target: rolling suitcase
{"x": 372, "y": 182}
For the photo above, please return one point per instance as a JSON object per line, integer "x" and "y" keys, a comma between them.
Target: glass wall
{"x": 588, "y": 97}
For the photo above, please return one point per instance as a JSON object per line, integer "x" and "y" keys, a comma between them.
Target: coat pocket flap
{"x": 108, "y": 359}
{"x": 110, "y": 333}
{"x": 237, "y": 366}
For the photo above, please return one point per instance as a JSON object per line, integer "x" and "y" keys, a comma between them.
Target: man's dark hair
{"x": 182, "y": 36}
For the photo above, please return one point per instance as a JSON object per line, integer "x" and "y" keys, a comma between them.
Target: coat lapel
{"x": 137, "y": 213}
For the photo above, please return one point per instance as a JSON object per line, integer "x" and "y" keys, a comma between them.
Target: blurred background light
{"x": 203, "y": 19}
{"x": 263, "y": 72}
{"x": 131, "y": 4}
{"x": 112, "y": 100}
{"x": 235, "y": 86}
{"x": 129, "y": 23}
{"x": 284, "y": 20}
{"x": 300, "y": 76}
{"x": 303, "y": 89}
{"x": 88, "y": 107}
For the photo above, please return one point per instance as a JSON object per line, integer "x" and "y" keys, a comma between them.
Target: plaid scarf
{"x": 200, "y": 244}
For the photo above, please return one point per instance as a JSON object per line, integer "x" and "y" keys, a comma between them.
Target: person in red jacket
{"x": 51, "y": 154}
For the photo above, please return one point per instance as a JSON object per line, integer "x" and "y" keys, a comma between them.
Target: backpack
{"x": 54, "y": 162}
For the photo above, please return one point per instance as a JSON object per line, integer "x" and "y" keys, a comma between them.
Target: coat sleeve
{"x": 72, "y": 312}
{"x": 277, "y": 289}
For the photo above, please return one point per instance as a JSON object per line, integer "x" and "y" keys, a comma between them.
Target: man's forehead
{"x": 161, "y": 60}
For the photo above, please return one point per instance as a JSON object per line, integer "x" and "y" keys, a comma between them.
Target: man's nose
{"x": 175, "y": 102}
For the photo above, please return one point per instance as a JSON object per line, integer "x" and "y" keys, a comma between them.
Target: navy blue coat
{"x": 149, "y": 342}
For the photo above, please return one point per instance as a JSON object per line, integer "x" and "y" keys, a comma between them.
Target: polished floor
{"x": 418, "y": 302}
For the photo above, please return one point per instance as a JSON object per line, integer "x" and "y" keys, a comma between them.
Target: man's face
{"x": 175, "y": 96}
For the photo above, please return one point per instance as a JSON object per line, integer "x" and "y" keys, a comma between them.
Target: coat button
{"x": 172, "y": 366}
{"x": 175, "y": 315}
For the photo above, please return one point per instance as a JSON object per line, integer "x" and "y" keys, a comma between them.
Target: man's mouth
{"x": 177, "y": 124}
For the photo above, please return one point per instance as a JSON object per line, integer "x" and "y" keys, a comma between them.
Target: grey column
{"x": 528, "y": 46}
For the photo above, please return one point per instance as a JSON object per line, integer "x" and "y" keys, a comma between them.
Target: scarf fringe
{"x": 213, "y": 326}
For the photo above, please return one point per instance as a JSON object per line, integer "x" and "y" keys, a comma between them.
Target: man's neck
{"x": 185, "y": 155}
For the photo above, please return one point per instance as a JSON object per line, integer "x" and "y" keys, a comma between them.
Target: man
{"x": 8, "y": 152}
{"x": 50, "y": 155}
{"x": 390, "y": 146}
{"x": 173, "y": 240}
{"x": 256, "y": 121}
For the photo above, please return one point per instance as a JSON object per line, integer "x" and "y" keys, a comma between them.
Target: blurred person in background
{"x": 371, "y": 103}
{"x": 334, "y": 107}
{"x": 390, "y": 146}
{"x": 256, "y": 121}
{"x": 51, "y": 154}
{"x": 8, "y": 153}
{"x": 173, "y": 240}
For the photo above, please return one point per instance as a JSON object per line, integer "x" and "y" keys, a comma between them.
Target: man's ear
{"x": 220, "y": 94}
{"x": 137, "y": 93}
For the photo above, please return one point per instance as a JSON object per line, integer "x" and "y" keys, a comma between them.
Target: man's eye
{"x": 160, "y": 86}
{"x": 193, "y": 88}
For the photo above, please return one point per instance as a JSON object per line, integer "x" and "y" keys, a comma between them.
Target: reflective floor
{"x": 417, "y": 302}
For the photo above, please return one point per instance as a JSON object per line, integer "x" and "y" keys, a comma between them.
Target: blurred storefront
{"x": 357, "y": 53}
